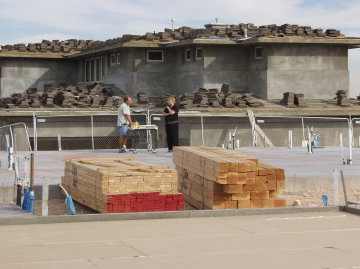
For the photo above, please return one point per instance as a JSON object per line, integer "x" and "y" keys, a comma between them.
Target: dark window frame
{"x": 201, "y": 53}
{"x": 257, "y": 54}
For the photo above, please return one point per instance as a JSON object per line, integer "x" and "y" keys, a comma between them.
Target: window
{"x": 258, "y": 52}
{"x": 199, "y": 53}
{"x": 87, "y": 70}
{"x": 94, "y": 69}
{"x": 98, "y": 68}
{"x": 118, "y": 58}
{"x": 113, "y": 59}
{"x": 102, "y": 68}
{"x": 155, "y": 56}
{"x": 187, "y": 54}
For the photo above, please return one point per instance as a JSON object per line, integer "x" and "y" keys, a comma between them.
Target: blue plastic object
{"x": 25, "y": 203}
{"x": 31, "y": 200}
{"x": 70, "y": 203}
{"x": 325, "y": 200}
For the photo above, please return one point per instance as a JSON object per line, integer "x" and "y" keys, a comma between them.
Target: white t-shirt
{"x": 124, "y": 109}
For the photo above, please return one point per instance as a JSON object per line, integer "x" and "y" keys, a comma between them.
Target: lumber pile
{"x": 122, "y": 185}
{"x": 216, "y": 178}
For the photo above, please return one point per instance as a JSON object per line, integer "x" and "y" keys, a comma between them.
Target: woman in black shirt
{"x": 171, "y": 123}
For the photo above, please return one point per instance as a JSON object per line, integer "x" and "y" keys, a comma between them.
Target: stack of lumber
{"x": 216, "y": 178}
{"x": 112, "y": 185}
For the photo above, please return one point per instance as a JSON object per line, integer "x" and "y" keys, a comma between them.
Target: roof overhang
{"x": 346, "y": 41}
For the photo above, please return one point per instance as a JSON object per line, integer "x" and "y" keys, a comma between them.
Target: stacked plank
{"x": 122, "y": 185}
{"x": 216, "y": 178}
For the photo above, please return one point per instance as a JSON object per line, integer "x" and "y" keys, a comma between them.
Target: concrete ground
{"x": 306, "y": 240}
{"x": 49, "y": 165}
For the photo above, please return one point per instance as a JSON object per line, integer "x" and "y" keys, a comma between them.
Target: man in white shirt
{"x": 124, "y": 122}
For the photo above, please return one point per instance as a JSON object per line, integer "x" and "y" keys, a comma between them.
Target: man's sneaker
{"x": 125, "y": 149}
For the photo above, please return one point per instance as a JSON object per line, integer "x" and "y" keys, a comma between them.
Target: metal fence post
{"x": 350, "y": 141}
{"x": 202, "y": 129}
{"x": 336, "y": 176}
{"x": 34, "y": 132}
{"x": 92, "y": 132}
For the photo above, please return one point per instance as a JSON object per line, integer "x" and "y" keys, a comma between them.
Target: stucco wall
{"x": 228, "y": 65}
{"x": 19, "y": 74}
{"x": 317, "y": 71}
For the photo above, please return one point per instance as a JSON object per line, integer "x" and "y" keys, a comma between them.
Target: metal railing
{"x": 330, "y": 129}
{"x": 16, "y": 136}
{"x": 98, "y": 131}
{"x": 78, "y": 131}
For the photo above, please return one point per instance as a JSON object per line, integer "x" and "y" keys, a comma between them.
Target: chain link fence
{"x": 99, "y": 131}
{"x": 105, "y": 134}
{"x": 329, "y": 130}
{"x": 81, "y": 132}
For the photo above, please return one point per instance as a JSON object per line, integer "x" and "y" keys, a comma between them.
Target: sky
{"x": 35, "y": 20}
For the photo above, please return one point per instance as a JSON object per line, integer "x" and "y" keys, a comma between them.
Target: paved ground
{"x": 297, "y": 163}
{"x": 308, "y": 240}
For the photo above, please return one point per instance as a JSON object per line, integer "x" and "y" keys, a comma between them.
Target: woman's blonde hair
{"x": 171, "y": 98}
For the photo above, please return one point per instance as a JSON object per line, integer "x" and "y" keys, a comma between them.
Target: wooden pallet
{"x": 92, "y": 181}
{"x": 216, "y": 178}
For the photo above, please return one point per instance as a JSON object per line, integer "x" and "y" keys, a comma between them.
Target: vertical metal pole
{"x": 12, "y": 137}
{"x": 344, "y": 187}
{"x": 34, "y": 132}
{"x": 303, "y": 128}
{"x": 44, "y": 199}
{"x": 290, "y": 139}
{"x": 15, "y": 144}
{"x": 336, "y": 187}
{"x": 202, "y": 129}
{"x": 350, "y": 142}
{"x": 92, "y": 133}
{"x": 59, "y": 142}
{"x": 32, "y": 168}
{"x": 309, "y": 143}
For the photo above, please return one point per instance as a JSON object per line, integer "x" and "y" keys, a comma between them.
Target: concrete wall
{"x": 175, "y": 74}
{"x": 19, "y": 74}
{"x": 228, "y": 65}
{"x": 258, "y": 72}
{"x": 317, "y": 71}
{"x": 187, "y": 75}
{"x": 135, "y": 74}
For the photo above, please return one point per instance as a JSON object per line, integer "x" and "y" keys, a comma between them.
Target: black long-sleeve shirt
{"x": 174, "y": 117}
